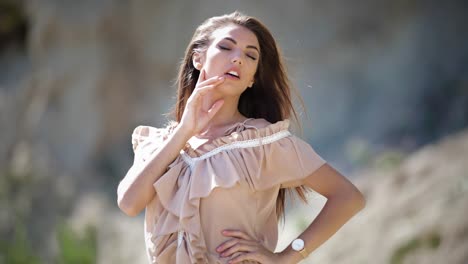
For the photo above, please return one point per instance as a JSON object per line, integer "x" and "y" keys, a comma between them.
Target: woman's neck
{"x": 226, "y": 116}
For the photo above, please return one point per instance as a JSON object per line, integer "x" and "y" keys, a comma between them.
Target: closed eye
{"x": 252, "y": 57}
{"x": 223, "y": 47}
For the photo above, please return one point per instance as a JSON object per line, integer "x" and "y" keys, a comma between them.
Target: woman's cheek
{"x": 252, "y": 72}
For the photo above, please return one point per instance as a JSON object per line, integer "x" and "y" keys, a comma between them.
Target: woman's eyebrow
{"x": 248, "y": 46}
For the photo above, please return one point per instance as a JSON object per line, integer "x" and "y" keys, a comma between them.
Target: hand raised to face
{"x": 195, "y": 118}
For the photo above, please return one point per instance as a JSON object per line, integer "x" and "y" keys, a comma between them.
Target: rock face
{"x": 415, "y": 212}
{"x": 381, "y": 73}
{"x": 94, "y": 70}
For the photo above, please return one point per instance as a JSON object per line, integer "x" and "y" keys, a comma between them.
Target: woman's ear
{"x": 251, "y": 84}
{"x": 197, "y": 60}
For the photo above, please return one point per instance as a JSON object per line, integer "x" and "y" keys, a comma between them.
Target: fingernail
{"x": 221, "y": 78}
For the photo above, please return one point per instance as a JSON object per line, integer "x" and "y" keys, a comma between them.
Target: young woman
{"x": 213, "y": 182}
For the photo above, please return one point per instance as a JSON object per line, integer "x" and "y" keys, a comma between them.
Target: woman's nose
{"x": 236, "y": 58}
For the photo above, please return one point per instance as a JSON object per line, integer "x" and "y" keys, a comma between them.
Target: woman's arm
{"x": 136, "y": 189}
{"x": 344, "y": 200}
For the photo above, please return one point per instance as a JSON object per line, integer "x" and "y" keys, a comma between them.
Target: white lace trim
{"x": 235, "y": 145}
{"x": 180, "y": 238}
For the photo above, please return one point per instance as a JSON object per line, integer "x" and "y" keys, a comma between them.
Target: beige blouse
{"x": 231, "y": 182}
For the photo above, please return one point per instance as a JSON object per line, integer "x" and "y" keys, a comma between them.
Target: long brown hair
{"x": 271, "y": 91}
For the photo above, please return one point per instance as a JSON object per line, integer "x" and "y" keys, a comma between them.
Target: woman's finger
{"x": 202, "y": 81}
{"x": 241, "y": 246}
{"x": 236, "y": 233}
{"x": 212, "y": 80}
{"x": 198, "y": 92}
{"x": 204, "y": 89}
{"x": 201, "y": 77}
{"x": 227, "y": 244}
{"x": 244, "y": 257}
{"x": 215, "y": 108}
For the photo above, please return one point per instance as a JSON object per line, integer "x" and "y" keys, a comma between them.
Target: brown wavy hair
{"x": 271, "y": 90}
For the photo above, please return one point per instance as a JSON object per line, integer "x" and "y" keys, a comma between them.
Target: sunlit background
{"x": 385, "y": 86}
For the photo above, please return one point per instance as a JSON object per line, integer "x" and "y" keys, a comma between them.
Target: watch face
{"x": 298, "y": 244}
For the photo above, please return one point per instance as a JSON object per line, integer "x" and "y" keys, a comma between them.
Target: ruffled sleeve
{"x": 288, "y": 162}
{"x": 282, "y": 159}
{"x": 147, "y": 139}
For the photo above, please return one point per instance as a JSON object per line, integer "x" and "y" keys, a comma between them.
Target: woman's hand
{"x": 195, "y": 117}
{"x": 241, "y": 247}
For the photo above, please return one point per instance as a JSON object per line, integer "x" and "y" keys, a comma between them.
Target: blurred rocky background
{"x": 385, "y": 85}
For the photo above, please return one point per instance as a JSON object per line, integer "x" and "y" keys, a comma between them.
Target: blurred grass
{"x": 427, "y": 241}
{"x": 362, "y": 154}
{"x": 17, "y": 193}
{"x": 76, "y": 248}
{"x": 18, "y": 250}
{"x": 388, "y": 160}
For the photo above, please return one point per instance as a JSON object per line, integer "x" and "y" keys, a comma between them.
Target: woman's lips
{"x": 231, "y": 77}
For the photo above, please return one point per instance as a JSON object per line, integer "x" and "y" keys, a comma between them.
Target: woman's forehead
{"x": 242, "y": 35}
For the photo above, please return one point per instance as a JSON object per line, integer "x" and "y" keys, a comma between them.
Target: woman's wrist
{"x": 182, "y": 131}
{"x": 290, "y": 256}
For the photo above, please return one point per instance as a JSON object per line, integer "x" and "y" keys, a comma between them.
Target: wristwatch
{"x": 299, "y": 246}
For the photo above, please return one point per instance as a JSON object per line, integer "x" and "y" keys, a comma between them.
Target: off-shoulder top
{"x": 231, "y": 182}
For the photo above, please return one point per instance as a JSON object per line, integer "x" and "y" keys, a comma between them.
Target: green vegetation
{"x": 388, "y": 160}
{"x": 362, "y": 154}
{"x": 17, "y": 250}
{"x": 17, "y": 196}
{"x": 75, "y": 248}
{"x": 427, "y": 241}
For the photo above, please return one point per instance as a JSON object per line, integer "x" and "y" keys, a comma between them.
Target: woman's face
{"x": 234, "y": 53}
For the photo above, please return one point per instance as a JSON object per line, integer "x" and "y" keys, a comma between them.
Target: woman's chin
{"x": 231, "y": 89}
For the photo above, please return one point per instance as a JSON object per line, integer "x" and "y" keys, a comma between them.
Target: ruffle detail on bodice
{"x": 259, "y": 157}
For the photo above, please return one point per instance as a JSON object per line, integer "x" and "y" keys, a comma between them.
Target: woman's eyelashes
{"x": 221, "y": 47}
{"x": 252, "y": 57}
